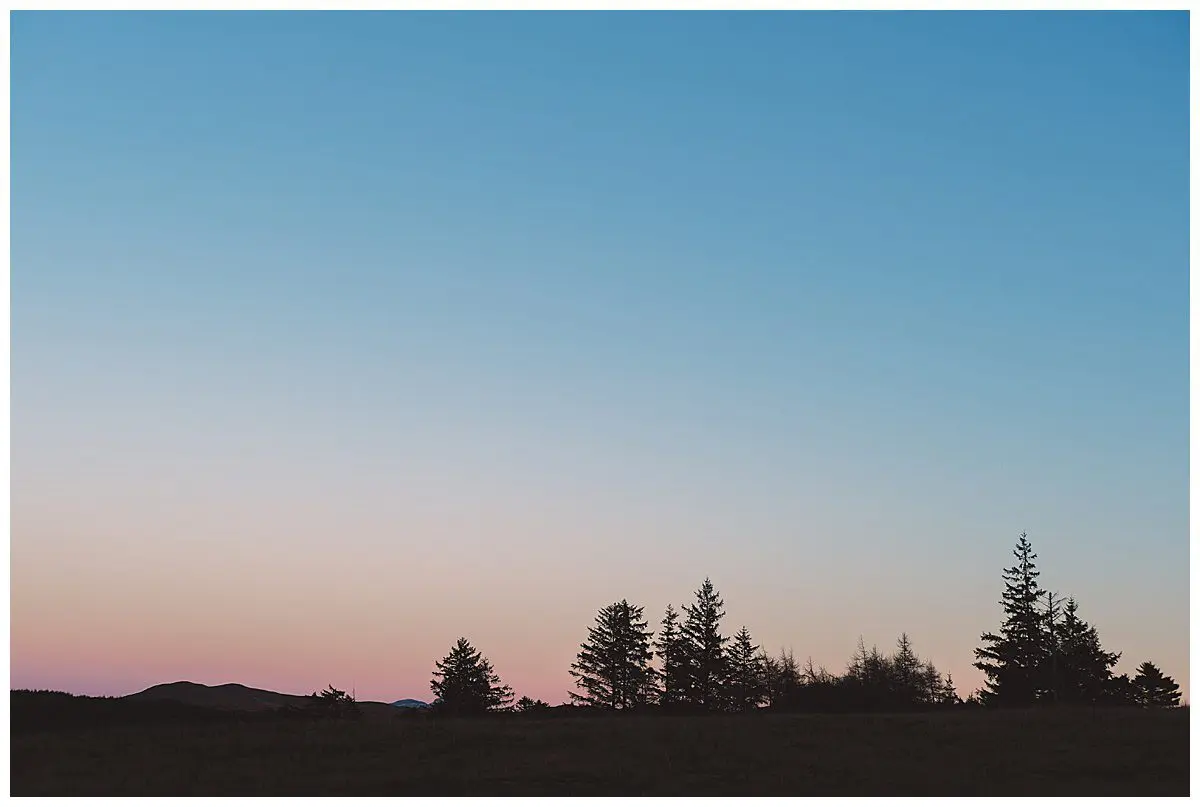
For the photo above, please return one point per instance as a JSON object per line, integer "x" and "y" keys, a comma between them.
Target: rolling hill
{"x": 241, "y": 698}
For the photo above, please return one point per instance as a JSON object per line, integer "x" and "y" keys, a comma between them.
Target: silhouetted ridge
{"x": 241, "y": 698}
{"x": 410, "y": 703}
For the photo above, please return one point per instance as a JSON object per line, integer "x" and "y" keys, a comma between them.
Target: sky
{"x": 336, "y": 337}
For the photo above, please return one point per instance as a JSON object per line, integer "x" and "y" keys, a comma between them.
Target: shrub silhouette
{"x": 334, "y": 704}
{"x": 527, "y": 705}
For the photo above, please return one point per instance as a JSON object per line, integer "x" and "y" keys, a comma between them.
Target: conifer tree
{"x": 1082, "y": 667}
{"x": 1153, "y": 688}
{"x": 1052, "y": 665}
{"x": 613, "y": 665}
{"x": 876, "y": 669}
{"x": 706, "y": 664}
{"x": 1120, "y": 691}
{"x": 771, "y": 682}
{"x": 745, "y": 673}
{"x": 464, "y": 683}
{"x": 949, "y": 693}
{"x": 812, "y": 675}
{"x": 789, "y": 679}
{"x": 671, "y": 653}
{"x": 907, "y": 675}
{"x": 931, "y": 684}
{"x": 1012, "y": 659}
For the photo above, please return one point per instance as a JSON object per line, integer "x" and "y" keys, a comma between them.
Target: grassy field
{"x": 1086, "y": 753}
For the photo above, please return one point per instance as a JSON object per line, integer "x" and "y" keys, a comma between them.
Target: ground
{"x": 968, "y": 752}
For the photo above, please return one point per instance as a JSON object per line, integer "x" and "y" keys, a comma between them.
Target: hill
{"x": 226, "y": 696}
{"x": 240, "y": 698}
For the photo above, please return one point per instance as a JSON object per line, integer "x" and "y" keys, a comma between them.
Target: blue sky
{"x": 827, "y": 306}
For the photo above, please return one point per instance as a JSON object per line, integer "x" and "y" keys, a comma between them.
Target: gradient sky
{"x": 338, "y": 336}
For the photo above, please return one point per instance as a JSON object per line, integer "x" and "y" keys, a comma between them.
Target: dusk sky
{"x": 336, "y": 337}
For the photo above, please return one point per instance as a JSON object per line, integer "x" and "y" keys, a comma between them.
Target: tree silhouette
{"x": 931, "y": 685}
{"x": 1044, "y": 651}
{"x": 872, "y": 671}
{"x": 1012, "y": 659}
{"x": 908, "y": 676}
{"x": 1154, "y": 688}
{"x": 899, "y": 681}
{"x": 1120, "y": 691}
{"x": 948, "y": 695}
{"x": 770, "y": 678}
{"x": 1081, "y": 666}
{"x": 813, "y": 675}
{"x": 706, "y": 666}
{"x": 1052, "y": 665}
{"x": 670, "y": 651}
{"x": 745, "y": 673}
{"x": 465, "y": 684}
{"x": 334, "y": 703}
{"x": 527, "y": 704}
{"x": 783, "y": 680}
{"x": 612, "y": 667}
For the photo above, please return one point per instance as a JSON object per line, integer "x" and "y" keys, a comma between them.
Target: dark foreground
{"x": 977, "y": 753}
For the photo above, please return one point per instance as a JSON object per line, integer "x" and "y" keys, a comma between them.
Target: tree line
{"x": 1043, "y": 653}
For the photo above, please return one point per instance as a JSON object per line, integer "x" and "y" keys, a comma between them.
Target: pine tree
{"x": 1012, "y": 659}
{"x": 857, "y": 668}
{"x": 789, "y": 678}
{"x": 781, "y": 679}
{"x": 1120, "y": 691}
{"x": 877, "y": 670}
{"x": 745, "y": 673}
{"x": 931, "y": 684}
{"x": 949, "y": 693}
{"x": 1052, "y": 672}
{"x": 771, "y": 682}
{"x": 1082, "y": 666}
{"x": 908, "y": 680}
{"x": 871, "y": 680}
{"x": 464, "y": 683}
{"x": 670, "y": 651}
{"x": 613, "y": 665}
{"x": 706, "y": 665}
{"x": 1154, "y": 688}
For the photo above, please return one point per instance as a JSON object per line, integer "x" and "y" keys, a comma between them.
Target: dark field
{"x": 969, "y": 752}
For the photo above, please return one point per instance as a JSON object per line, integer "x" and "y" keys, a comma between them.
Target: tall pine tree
{"x": 613, "y": 665}
{"x": 907, "y": 673}
{"x": 671, "y": 653}
{"x": 1012, "y": 659}
{"x": 706, "y": 664}
{"x": 746, "y": 673}
{"x": 1052, "y": 664}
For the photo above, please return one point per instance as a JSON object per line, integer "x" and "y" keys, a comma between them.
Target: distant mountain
{"x": 410, "y": 703}
{"x": 226, "y": 696}
{"x": 240, "y": 698}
